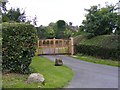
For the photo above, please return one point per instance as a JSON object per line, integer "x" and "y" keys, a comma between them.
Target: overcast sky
{"x": 52, "y": 10}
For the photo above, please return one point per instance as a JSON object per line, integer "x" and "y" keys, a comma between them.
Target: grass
{"x": 97, "y": 60}
{"x": 55, "y": 76}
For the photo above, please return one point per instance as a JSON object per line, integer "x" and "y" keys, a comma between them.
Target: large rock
{"x": 58, "y": 62}
{"x": 35, "y": 77}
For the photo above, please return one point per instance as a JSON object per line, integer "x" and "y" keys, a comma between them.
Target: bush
{"x": 98, "y": 51}
{"x": 18, "y": 46}
{"x": 90, "y": 35}
{"x": 104, "y": 46}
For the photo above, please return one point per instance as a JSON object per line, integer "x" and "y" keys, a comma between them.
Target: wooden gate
{"x": 55, "y": 46}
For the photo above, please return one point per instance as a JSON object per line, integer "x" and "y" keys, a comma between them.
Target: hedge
{"x": 18, "y": 46}
{"x": 98, "y": 51}
{"x": 103, "y": 48}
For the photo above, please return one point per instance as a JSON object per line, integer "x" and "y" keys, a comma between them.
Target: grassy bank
{"x": 55, "y": 76}
{"x": 97, "y": 60}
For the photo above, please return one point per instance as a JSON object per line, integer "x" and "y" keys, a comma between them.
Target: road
{"x": 89, "y": 75}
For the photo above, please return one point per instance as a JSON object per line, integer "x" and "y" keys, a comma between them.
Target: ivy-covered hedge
{"x": 18, "y": 46}
{"x": 105, "y": 46}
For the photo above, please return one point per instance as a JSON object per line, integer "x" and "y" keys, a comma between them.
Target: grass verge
{"x": 97, "y": 60}
{"x": 55, "y": 76}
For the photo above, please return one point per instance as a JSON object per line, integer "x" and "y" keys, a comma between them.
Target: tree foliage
{"x": 45, "y": 32}
{"x": 14, "y": 15}
{"x": 61, "y": 24}
{"x": 60, "y": 29}
{"x": 3, "y": 5}
{"x": 100, "y": 21}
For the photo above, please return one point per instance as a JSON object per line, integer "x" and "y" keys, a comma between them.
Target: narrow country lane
{"x": 89, "y": 75}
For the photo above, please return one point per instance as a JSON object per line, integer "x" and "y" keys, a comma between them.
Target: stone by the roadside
{"x": 58, "y": 62}
{"x": 35, "y": 77}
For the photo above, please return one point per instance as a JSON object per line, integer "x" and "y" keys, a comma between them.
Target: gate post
{"x": 38, "y": 47}
{"x": 54, "y": 45}
{"x": 42, "y": 46}
{"x": 72, "y": 45}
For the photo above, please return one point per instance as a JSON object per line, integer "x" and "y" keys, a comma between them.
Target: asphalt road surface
{"x": 89, "y": 75}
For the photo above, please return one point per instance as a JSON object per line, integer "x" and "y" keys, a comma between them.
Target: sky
{"x": 53, "y": 10}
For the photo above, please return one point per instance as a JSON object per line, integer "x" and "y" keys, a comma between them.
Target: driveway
{"x": 89, "y": 75}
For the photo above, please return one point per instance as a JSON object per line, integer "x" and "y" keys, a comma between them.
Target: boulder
{"x": 58, "y": 62}
{"x": 35, "y": 77}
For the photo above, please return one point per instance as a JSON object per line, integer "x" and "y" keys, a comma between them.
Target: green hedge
{"x": 105, "y": 46}
{"x": 98, "y": 51}
{"x": 18, "y": 46}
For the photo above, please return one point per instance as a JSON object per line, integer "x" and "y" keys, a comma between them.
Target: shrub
{"x": 90, "y": 35}
{"x": 18, "y": 46}
{"x": 105, "y": 46}
{"x": 97, "y": 51}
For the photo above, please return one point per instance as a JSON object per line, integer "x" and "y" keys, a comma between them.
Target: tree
{"x": 50, "y": 32}
{"x": 100, "y": 21}
{"x": 54, "y": 30}
{"x": 35, "y": 20}
{"x": 41, "y": 30}
{"x": 14, "y": 15}
{"x": 61, "y": 24}
{"x": 61, "y": 27}
{"x": 70, "y": 23}
{"x": 18, "y": 15}
{"x": 3, "y": 5}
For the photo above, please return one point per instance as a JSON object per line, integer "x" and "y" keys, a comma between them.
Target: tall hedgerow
{"x": 18, "y": 46}
{"x": 104, "y": 46}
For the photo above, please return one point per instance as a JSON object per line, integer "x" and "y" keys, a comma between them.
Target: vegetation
{"x": 55, "y": 76}
{"x": 18, "y": 45}
{"x": 46, "y": 32}
{"x": 101, "y": 21}
{"x": 3, "y": 5}
{"x": 107, "y": 41}
{"x": 60, "y": 29}
{"x": 105, "y": 46}
{"x": 99, "y": 33}
{"x": 97, "y": 60}
{"x": 14, "y": 15}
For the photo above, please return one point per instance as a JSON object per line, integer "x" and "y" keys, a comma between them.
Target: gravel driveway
{"x": 89, "y": 75}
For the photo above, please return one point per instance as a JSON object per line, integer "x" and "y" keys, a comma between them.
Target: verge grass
{"x": 55, "y": 76}
{"x": 97, "y": 60}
